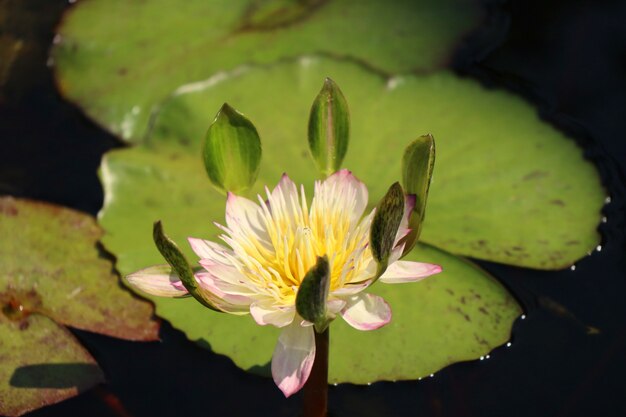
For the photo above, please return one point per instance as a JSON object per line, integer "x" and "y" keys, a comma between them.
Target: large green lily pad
{"x": 117, "y": 59}
{"x": 52, "y": 274}
{"x": 506, "y": 187}
{"x": 458, "y": 315}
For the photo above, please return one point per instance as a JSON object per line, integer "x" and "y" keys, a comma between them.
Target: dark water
{"x": 567, "y": 358}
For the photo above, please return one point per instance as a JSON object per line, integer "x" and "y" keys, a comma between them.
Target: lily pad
{"x": 458, "y": 315}
{"x": 506, "y": 186}
{"x": 52, "y": 274}
{"x": 117, "y": 59}
{"x": 41, "y": 364}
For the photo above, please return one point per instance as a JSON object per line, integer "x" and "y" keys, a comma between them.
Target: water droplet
{"x": 307, "y": 61}
{"x": 335, "y": 384}
{"x": 599, "y": 248}
{"x": 369, "y": 383}
{"x": 482, "y": 358}
{"x": 573, "y": 267}
{"x": 607, "y": 200}
{"x": 432, "y": 375}
{"x": 523, "y": 317}
{"x": 487, "y": 357}
{"x": 604, "y": 219}
{"x": 508, "y": 344}
{"x": 419, "y": 379}
{"x": 394, "y": 82}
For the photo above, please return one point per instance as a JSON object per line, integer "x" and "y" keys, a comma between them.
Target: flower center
{"x": 295, "y": 236}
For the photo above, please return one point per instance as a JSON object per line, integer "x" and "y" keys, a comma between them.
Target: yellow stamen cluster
{"x": 291, "y": 237}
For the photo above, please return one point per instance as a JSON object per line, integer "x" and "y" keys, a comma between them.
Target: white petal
{"x": 403, "y": 229}
{"x": 246, "y": 217}
{"x": 286, "y": 189}
{"x": 351, "y": 289}
{"x": 157, "y": 280}
{"x": 235, "y": 294}
{"x": 396, "y": 253}
{"x": 293, "y": 358}
{"x": 268, "y": 311}
{"x": 342, "y": 192}
{"x": 366, "y": 312}
{"x": 206, "y": 249}
{"x": 284, "y": 201}
{"x": 334, "y": 306}
{"x": 223, "y": 272}
{"x": 406, "y": 271}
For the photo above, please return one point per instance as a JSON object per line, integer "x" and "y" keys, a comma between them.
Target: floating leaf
{"x": 329, "y": 128}
{"x": 491, "y": 171}
{"x": 232, "y": 151}
{"x": 112, "y": 62}
{"x": 42, "y": 364}
{"x": 51, "y": 272}
{"x": 166, "y": 180}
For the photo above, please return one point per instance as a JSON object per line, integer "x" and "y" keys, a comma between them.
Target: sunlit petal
{"x": 406, "y": 271}
{"x": 366, "y": 312}
{"x": 267, "y": 312}
{"x": 293, "y": 358}
{"x": 157, "y": 280}
{"x": 206, "y": 249}
{"x": 340, "y": 193}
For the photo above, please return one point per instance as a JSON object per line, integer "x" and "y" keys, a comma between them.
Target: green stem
{"x": 316, "y": 388}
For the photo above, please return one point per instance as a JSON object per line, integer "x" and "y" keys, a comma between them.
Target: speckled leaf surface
{"x": 41, "y": 363}
{"x": 51, "y": 251}
{"x": 52, "y": 274}
{"x": 506, "y": 186}
{"x": 490, "y": 173}
{"x": 117, "y": 59}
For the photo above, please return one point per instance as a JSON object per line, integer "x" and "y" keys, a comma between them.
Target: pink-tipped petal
{"x": 342, "y": 192}
{"x": 334, "y": 306}
{"x": 206, "y": 249}
{"x": 396, "y": 252}
{"x": 286, "y": 188}
{"x": 351, "y": 289}
{"x": 226, "y": 273}
{"x": 366, "y": 312}
{"x": 403, "y": 229}
{"x": 232, "y": 293}
{"x": 245, "y": 217}
{"x": 284, "y": 200}
{"x": 407, "y": 271}
{"x": 266, "y": 312}
{"x": 157, "y": 280}
{"x": 293, "y": 358}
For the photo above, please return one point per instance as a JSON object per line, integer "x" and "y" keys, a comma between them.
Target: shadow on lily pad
{"x": 56, "y": 375}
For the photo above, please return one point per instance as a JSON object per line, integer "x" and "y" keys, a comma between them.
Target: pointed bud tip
{"x": 227, "y": 111}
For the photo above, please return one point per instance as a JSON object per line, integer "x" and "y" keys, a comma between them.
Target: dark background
{"x": 566, "y": 57}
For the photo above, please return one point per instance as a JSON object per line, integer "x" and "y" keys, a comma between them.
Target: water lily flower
{"x": 270, "y": 247}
